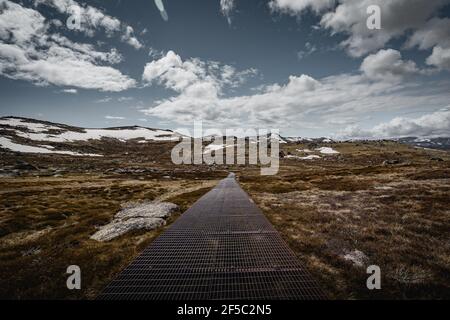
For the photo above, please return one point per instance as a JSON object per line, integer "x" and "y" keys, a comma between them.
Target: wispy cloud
{"x": 124, "y": 99}
{"x": 227, "y": 7}
{"x": 160, "y": 5}
{"x": 93, "y": 19}
{"x": 309, "y": 50}
{"x": 73, "y": 91}
{"x": 103, "y": 100}
{"x": 114, "y": 118}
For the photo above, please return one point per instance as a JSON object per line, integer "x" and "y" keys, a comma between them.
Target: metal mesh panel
{"x": 223, "y": 247}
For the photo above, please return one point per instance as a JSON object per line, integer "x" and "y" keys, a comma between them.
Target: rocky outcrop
{"x": 136, "y": 216}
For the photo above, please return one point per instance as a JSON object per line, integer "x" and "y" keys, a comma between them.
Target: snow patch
{"x": 47, "y": 146}
{"x": 327, "y": 150}
{"x": 276, "y": 136}
{"x": 214, "y": 147}
{"x": 422, "y": 140}
{"x": 304, "y": 150}
{"x": 297, "y": 139}
{"x": 8, "y": 144}
{"x": 97, "y": 134}
{"x": 31, "y": 126}
{"x": 293, "y": 139}
{"x": 310, "y": 157}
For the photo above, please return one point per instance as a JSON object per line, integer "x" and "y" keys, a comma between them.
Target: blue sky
{"x": 309, "y": 68}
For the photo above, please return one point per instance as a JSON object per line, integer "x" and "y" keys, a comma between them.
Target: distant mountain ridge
{"x": 35, "y": 136}
{"x": 441, "y": 143}
{"x": 40, "y": 126}
{"x": 27, "y": 135}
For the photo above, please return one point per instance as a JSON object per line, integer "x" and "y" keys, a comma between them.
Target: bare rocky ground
{"x": 378, "y": 203}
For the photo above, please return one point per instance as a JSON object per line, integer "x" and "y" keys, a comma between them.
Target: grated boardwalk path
{"x": 223, "y": 247}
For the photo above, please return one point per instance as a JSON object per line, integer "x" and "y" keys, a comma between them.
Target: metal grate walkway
{"x": 223, "y": 247}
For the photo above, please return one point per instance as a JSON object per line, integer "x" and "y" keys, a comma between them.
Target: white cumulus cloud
{"x": 416, "y": 19}
{"x": 435, "y": 32}
{"x": 440, "y": 58}
{"x": 397, "y": 17}
{"x": 178, "y": 75}
{"x": 303, "y": 102}
{"x": 295, "y": 7}
{"x": 29, "y": 52}
{"x": 435, "y": 124}
{"x": 388, "y": 65}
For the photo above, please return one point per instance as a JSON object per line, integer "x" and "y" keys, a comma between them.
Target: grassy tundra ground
{"x": 397, "y": 216}
{"x": 339, "y": 213}
{"x": 46, "y": 224}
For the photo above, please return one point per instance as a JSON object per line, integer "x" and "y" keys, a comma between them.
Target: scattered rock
{"x": 390, "y": 162}
{"x": 25, "y": 166}
{"x": 383, "y": 188}
{"x": 411, "y": 275}
{"x": 130, "y": 170}
{"x": 136, "y": 216}
{"x": 31, "y": 251}
{"x": 358, "y": 258}
{"x": 9, "y": 173}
